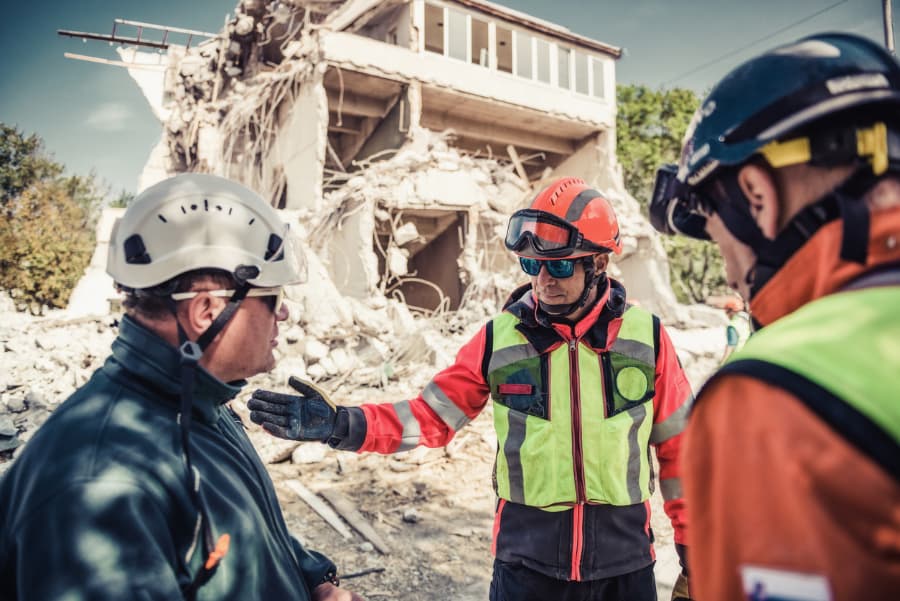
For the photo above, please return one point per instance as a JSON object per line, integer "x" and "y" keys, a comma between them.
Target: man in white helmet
{"x": 143, "y": 484}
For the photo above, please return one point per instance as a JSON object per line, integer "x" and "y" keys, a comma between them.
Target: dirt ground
{"x": 432, "y": 507}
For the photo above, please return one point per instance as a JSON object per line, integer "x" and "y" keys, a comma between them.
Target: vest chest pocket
{"x": 629, "y": 382}
{"x": 522, "y": 386}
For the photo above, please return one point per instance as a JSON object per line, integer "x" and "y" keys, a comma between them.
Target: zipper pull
{"x": 573, "y": 344}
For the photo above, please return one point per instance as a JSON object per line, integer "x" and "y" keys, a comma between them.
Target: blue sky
{"x": 92, "y": 117}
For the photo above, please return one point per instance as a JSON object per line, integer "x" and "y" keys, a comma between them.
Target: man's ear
{"x": 761, "y": 190}
{"x": 200, "y": 312}
{"x": 601, "y": 262}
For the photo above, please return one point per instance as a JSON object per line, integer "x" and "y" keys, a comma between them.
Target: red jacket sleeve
{"x": 454, "y": 397}
{"x": 671, "y": 405}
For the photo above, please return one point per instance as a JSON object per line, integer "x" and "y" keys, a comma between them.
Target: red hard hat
{"x": 732, "y": 303}
{"x": 566, "y": 219}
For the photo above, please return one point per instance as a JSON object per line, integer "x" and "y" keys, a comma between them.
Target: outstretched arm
{"x": 453, "y": 397}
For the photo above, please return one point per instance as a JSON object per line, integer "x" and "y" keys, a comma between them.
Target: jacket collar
{"x": 543, "y": 334}
{"x": 142, "y": 357}
{"x": 817, "y": 270}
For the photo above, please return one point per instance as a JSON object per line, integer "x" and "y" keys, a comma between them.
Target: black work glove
{"x": 308, "y": 416}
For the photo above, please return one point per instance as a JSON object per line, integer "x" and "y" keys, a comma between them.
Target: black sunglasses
{"x": 557, "y": 268}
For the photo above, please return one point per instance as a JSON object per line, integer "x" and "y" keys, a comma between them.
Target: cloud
{"x": 110, "y": 116}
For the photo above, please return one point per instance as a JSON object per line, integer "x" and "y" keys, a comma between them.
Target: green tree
{"x": 46, "y": 233}
{"x": 22, "y": 163}
{"x": 650, "y": 127}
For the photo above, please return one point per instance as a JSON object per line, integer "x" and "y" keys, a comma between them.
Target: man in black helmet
{"x": 792, "y": 453}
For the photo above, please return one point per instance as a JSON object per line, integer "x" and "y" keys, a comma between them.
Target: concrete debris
{"x": 411, "y": 516}
{"x": 309, "y": 453}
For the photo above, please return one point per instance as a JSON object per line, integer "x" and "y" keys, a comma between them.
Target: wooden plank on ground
{"x": 319, "y": 507}
{"x": 348, "y": 511}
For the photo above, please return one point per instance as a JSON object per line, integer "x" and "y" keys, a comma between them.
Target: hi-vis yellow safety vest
{"x": 839, "y": 356}
{"x": 573, "y": 425}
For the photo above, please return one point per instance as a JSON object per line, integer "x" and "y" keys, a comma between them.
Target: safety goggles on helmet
{"x": 274, "y": 296}
{"x": 557, "y": 268}
{"x": 547, "y": 234}
{"x": 677, "y": 209}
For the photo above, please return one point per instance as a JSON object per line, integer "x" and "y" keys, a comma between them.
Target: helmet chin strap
{"x": 591, "y": 279}
{"x": 191, "y": 353}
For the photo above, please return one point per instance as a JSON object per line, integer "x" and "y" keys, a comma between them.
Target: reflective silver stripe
{"x": 652, "y": 473}
{"x": 633, "y": 478}
{"x": 672, "y": 425}
{"x": 511, "y": 449}
{"x": 510, "y": 354}
{"x": 671, "y": 488}
{"x": 446, "y": 409}
{"x": 411, "y": 429}
{"x": 635, "y": 350}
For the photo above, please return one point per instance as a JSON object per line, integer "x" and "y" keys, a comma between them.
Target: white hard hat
{"x": 197, "y": 221}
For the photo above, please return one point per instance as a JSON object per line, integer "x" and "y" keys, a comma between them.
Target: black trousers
{"x": 518, "y": 583}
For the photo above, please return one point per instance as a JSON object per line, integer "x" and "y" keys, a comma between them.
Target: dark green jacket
{"x": 97, "y": 508}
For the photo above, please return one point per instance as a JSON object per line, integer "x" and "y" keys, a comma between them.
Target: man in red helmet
{"x": 582, "y": 384}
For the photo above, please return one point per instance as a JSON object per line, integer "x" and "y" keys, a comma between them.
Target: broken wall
{"x": 267, "y": 124}
{"x": 400, "y": 227}
{"x": 298, "y": 151}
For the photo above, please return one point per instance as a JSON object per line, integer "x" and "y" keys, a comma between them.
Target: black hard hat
{"x": 768, "y": 98}
{"x": 777, "y": 93}
{"x": 828, "y": 99}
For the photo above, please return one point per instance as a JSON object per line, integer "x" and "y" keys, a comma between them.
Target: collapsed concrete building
{"x": 465, "y": 106}
{"x": 399, "y": 135}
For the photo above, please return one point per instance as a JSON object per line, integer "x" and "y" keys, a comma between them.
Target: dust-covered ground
{"x": 431, "y": 509}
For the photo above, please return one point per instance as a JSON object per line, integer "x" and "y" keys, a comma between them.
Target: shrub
{"x": 696, "y": 269}
{"x": 46, "y": 228}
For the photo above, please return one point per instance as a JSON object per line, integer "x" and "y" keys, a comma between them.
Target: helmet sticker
{"x": 840, "y": 85}
{"x": 699, "y": 154}
{"x": 809, "y": 49}
{"x": 702, "y": 172}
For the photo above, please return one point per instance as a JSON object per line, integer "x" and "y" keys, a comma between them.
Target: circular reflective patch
{"x": 631, "y": 383}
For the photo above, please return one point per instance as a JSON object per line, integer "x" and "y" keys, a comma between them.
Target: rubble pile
{"x": 226, "y": 98}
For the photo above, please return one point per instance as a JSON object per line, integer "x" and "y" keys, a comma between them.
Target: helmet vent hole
{"x": 183, "y": 210}
{"x": 274, "y": 246}
{"x": 218, "y": 207}
{"x": 251, "y": 221}
{"x": 135, "y": 251}
{"x": 163, "y": 219}
{"x": 206, "y": 204}
{"x": 562, "y": 188}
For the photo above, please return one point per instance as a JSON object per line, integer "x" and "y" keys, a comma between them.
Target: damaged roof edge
{"x": 543, "y": 26}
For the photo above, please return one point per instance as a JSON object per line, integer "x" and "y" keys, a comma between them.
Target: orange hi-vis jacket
{"x": 585, "y": 541}
{"x": 780, "y": 502}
